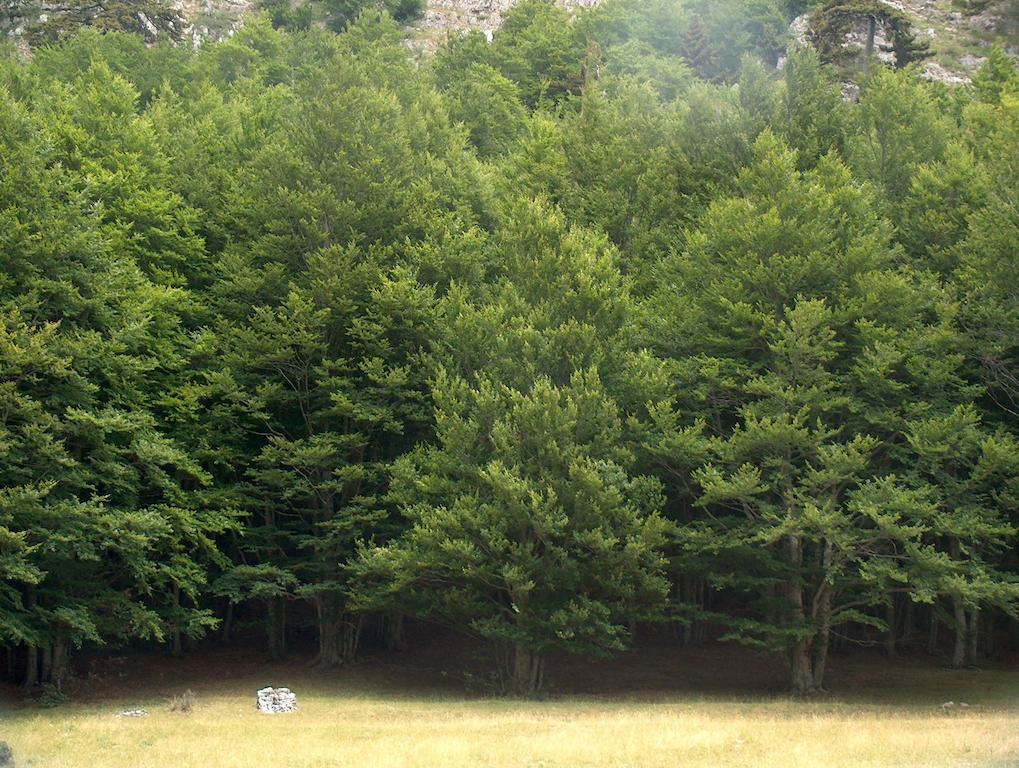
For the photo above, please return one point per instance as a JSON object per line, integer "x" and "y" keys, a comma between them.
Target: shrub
{"x": 184, "y": 703}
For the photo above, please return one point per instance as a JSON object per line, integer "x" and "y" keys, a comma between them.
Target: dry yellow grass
{"x": 641, "y": 710}
{"x": 344, "y": 729}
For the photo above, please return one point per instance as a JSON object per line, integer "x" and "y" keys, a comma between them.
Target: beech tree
{"x": 526, "y": 529}
{"x": 324, "y": 324}
{"x": 772, "y": 293}
{"x": 604, "y": 320}
{"x": 974, "y": 477}
{"x": 527, "y": 526}
{"x": 109, "y": 538}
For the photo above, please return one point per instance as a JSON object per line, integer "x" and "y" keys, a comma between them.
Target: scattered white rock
{"x": 147, "y": 23}
{"x": 971, "y": 62}
{"x": 948, "y": 705}
{"x": 800, "y": 29}
{"x": 444, "y": 18}
{"x": 275, "y": 701}
{"x": 133, "y": 713}
{"x": 939, "y": 74}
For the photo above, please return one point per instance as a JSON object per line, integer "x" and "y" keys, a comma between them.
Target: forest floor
{"x": 662, "y": 706}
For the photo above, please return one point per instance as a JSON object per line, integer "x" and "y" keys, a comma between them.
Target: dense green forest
{"x": 620, "y": 320}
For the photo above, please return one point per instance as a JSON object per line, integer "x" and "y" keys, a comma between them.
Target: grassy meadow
{"x": 382, "y": 714}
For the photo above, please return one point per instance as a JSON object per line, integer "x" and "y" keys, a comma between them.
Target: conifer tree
{"x": 698, "y": 49}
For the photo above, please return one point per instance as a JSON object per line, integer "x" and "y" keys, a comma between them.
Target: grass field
{"x": 389, "y": 714}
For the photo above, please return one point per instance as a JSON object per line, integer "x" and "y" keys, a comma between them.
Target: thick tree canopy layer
{"x": 605, "y": 322}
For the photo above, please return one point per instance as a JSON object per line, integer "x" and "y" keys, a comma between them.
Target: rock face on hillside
{"x": 957, "y": 39}
{"x": 212, "y": 19}
{"x": 185, "y": 20}
{"x": 444, "y": 17}
{"x": 197, "y": 20}
{"x": 463, "y": 15}
{"x": 948, "y": 31}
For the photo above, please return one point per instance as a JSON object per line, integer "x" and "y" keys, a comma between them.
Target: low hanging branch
{"x": 833, "y": 21}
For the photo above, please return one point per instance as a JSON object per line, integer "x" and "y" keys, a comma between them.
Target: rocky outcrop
{"x": 276, "y": 701}
{"x": 936, "y": 22}
{"x": 183, "y": 20}
{"x": 195, "y": 21}
{"x": 445, "y": 17}
{"x": 212, "y": 19}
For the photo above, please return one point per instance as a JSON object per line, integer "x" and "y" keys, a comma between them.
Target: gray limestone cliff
{"x": 958, "y": 39}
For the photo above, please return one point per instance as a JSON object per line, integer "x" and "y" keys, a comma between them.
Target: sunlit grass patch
{"x": 345, "y": 725}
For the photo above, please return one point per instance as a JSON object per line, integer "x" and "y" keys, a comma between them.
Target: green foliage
{"x": 814, "y": 117}
{"x": 899, "y": 127}
{"x": 106, "y": 525}
{"x": 489, "y": 106}
{"x": 997, "y": 77}
{"x": 772, "y": 318}
{"x": 341, "y": 13}
{"x": 536, "y": 48}
{"x": 533, "y": 534}
{"x": 541, "y": 338}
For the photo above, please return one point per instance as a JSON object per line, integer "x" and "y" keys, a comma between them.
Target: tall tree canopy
{"x": 608, "y": 321}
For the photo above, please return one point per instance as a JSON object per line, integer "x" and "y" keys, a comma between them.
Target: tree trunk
{"x": 823, "y": 639}
{"x": 275, "y": 626}
{"x": 802, "y": 668}
{"x": 46, "y": 663}
{"x": 973, "y": 637}
{"x": 393, "y": 629}
{"x": 890, "y": 649}
{"x": 58, "y": 668}
{"x": 800, "y": 654}
{"x": 339, "y": 633}
{"x": 704, "y": 598}
{"x": 908, "y": 624}
{"x": 959, "y": 611}
{"x": 228, "y": 622}
{"x": 988, "y": 635}
{"x": 959, "y": 650}
{"x": 685, "y": 596}
{"x": 932, "y": 631}
{"x": 177, "y": 648}
{"x": 31, "y": 667}
{"x": 329, "y": 628}
{"x": 820, "y": 660}
{"x": 350, "y": 636}
{"x": 528, "y": 671}
{"x": 693, "y": 592}
{"x": 32, "y": 654}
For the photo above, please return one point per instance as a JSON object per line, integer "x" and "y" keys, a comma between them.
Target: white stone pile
{"x": 275, "y": 701}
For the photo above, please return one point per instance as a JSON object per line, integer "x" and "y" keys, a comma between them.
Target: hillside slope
{"x": 958, "y": 39}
